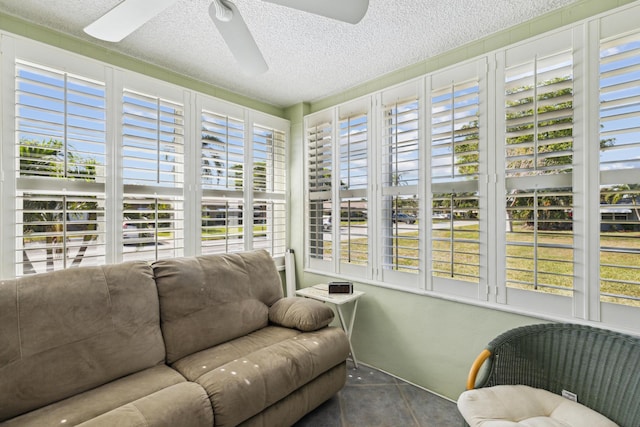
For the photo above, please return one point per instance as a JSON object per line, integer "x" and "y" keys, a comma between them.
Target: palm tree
{"x": 46, "y": 215}
{"x": 211, "y": 163}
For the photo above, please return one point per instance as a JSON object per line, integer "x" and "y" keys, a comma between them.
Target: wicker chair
{"x": 601, "y": 367}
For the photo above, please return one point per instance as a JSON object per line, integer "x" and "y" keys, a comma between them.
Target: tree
{"x": 46, "y": 216}
{"x": 211, "y": 163}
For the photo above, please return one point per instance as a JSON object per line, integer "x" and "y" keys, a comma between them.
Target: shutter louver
{"x": 153, "y": 141}
{"x": 60, "y": 198}
{"x": 320, "y": 169}
{"x": 455, "y": 231}
{"x": 400, "y": 169}
{"x": 222, "y": 225}
{"x": 354, "y": 247}
{"x": 538, "y": 163}
{"x": 620, "y": 170}
{"x": 153, "y": 177}
{"x": 269, "y": 226}
{"x": 222, "y": 176}
{"x": 152, "y": 228}
{"x": 269, "y": 186}
{"x": 222, "y": 152}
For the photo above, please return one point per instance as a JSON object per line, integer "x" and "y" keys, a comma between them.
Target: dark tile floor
{"x": 374, "y": 399}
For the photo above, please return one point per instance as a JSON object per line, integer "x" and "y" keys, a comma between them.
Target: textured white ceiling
{"x": 310, "y": 57}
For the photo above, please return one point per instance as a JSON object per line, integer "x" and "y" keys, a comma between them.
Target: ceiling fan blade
{"x": 125, "y": 18}
{"x": 239, "y": 39}
{"x": 351, "y": 11}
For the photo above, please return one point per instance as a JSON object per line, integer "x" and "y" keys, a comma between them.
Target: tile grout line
{"x": 408, "y": 405}
{"x": 343, "y": 422}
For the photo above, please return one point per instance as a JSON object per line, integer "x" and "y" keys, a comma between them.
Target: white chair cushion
{"x": 520, "y": 405}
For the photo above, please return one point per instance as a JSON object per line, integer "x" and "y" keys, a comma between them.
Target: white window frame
{"x": 358, "y": 108}
{"x": 470, "y": 70}
{"x": 615, "y": 24}
{"x": 315, "y": 232}
{"x": 524, "y": 52}
{"x": 116, "y": 80}
{"x": 126, "y": 81}
{"x": 584, "y": 306}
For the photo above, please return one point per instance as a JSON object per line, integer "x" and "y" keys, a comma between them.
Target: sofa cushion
{"x": 198, "y": 364}
{"x": 246, "y": 385}
{"x": 301, "y": 313}
{"x": 207, "y": 300}
{"x": 184, "y": 404}
{"x": 68, "y": 331}
{"x": 92, "y": 403}
{"x": 296, "y": 405}
{"x": 520, "y": 405}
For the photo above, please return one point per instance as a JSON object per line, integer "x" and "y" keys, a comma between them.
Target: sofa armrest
{"x": 300, "y": 313}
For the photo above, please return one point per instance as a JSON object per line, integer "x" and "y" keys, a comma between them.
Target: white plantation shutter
{"x": 455, "y": 203}
{"x": 222, "y": 225}
{"x": 354, "y": 168}
{"x": 269, "y": 188}
{"x": 269, "y": 160}
{"x": 400, "y": 170}
{"x": 222, "y": 176}
{"x": 153, "y": 140}
{"x": 539, "y": 114}
{"x": 56, "y": 107}
{"x": 222, "y": 152}
{"x": 60, "y": 150}
{"x": 499, "y": 159}
{"x": 99, "y": 165}
{"x": 59, "y": 230}
{"x": 153, "y": 227}
{"x": 320, "y": 199}
{"x": 153, "y": 176}
{"x": 538, "y": 102}
{"x": 243, "y": 180}
{"x": 620, "y": 170}
{"x": 353, "y": 153}
{"x": 269, "y": 226}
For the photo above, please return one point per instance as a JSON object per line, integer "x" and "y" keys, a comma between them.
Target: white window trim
{"x": 585, "y": 306}
{"x": 116, "y": 79}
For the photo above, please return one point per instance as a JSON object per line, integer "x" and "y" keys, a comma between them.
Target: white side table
{"x": 320, "y": 292}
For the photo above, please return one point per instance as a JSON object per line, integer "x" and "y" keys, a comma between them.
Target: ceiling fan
{"x": 129, "y": 15}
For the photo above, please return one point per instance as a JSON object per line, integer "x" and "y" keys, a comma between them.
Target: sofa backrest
{"x": 207, "y": 300}
{"x": 65, "y": 332}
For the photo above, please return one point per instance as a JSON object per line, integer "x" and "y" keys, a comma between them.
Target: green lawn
{"x": 555, "y": 266}
{"x": 219, "y": 233}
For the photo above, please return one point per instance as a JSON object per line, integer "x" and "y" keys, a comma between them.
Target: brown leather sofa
{"x": 201, "y": 341}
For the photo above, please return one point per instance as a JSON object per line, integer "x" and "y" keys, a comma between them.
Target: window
{"x": 620, "y": 170}
{"x": 538, "y": 166}
{"x": 319, "y": 137}
{"x": 454, "y": 170}
{"x": 243, "y": 180}
{"x": 222, "y": 152}
{"x": 153, "y": 176}
{"x": 99, "y": 165}
{"x": 60, "y": 148}
{"x": 222, "y": 175}
{"x": 338, "y": 158}
{"x": 485, "y": 191}
{"x": 269, "y": 188}
{"x": 400, "y": 162}
{"x": 353, "y": 223}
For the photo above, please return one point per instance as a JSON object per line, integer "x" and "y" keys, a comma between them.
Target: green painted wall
{"x": 428, "y": 341}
